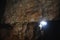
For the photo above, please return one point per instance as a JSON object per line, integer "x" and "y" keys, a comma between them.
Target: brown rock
{"x": 21, "y": 14}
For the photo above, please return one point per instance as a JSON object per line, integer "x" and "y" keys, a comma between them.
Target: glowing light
{"x": 42, "y": 24}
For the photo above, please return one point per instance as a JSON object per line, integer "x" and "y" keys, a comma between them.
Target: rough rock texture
{"x": 30, "y": 10}
{"x": 22, "y": 15}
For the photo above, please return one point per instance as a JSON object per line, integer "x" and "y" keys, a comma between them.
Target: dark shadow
{"x": 2, "y": 8}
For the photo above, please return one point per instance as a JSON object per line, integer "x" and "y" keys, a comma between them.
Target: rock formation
{"x": 22, "y": 16}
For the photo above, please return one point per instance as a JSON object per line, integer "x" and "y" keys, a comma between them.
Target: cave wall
{"x": 30, "y": 10}
{"x": 21, "y": 15}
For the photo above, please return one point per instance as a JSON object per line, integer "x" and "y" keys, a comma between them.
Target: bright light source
{"x": 42, "y": 24}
